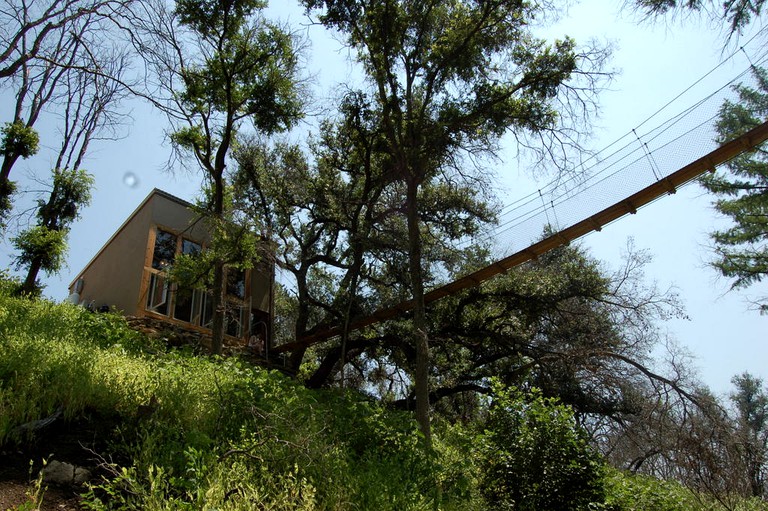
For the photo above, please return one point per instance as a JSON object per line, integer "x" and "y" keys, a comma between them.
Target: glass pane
{"x": 165, "y": 249}
{"x": 158, "y": 294}
{"x": 198, "y": 298}
{"x": 190, "y": 247}
{"x": 234, "y": 320}
{"x": 183, "y": 308}
{"x": 236, "y": 283}
{"x": 207, "y": 310}
{"x": 259, "y": 323}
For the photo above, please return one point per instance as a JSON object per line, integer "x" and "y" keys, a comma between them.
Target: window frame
{"x": 200, "y": 314}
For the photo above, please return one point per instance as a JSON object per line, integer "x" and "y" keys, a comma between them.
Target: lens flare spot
{"x": 130, "y": 180}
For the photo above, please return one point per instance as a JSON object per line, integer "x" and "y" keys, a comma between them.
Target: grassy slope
{"x": 187, "y": 429}
{"x": 188, "y": 432}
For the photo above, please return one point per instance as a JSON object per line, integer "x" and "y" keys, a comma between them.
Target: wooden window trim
{"x": 245, "y": 303}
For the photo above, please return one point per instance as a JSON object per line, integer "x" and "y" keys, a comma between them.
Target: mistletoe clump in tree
{"x": 44, "y": 245}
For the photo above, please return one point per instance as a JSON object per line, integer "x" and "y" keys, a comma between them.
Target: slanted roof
{"x": 155, "y": 192}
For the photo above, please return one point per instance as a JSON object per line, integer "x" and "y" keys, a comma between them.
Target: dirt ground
{"x": 72, "y": 442}
{"x": 17, "y": 491}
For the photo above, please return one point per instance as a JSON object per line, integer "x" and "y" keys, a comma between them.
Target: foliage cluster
{"x": 18, "y": 139}
{"x": 40, "y": 242}
{"x": 536, "y": 457}
{"x": 44, "y": 245}
{"x": 202, "y": 433}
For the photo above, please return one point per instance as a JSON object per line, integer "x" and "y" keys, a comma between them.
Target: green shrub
{"x": 533, "y": 456}
{"x": 458, "y": 476}
{"x": 634, "y": 492}
{"x": 196, "y": 432}
{"x": 62, "y": 357}
{"x": 628, "y": 492}
{"x": 9, "y": 284}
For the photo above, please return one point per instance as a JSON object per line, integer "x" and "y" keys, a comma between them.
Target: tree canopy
{"x": 742, "y": 249}
{"x": 214, "y": 66}
{"x": 736, "y": 13}
{"x": 447, "y": 80}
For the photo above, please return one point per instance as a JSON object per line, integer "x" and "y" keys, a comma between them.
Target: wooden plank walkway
{"x": 629, "y": 205}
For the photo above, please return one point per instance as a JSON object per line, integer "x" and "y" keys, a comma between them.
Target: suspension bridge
{"x": 643, "y": 168}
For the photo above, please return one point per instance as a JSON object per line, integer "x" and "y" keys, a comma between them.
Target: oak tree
{"x": 447, "y": 79}
{"x": 335, "y": 216}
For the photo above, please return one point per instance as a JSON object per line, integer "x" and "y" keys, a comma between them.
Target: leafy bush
{"x": 8, "y": 283}
{"x": 457, "y": 470}
{"x": 194, "y": 429}
{"x": 636, "y": 492}
{"x": 202, "y": 433}
{"x": 533, "y": 456}
{"x": 633, "y": 492}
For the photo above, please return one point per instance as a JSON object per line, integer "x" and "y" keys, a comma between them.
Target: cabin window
{"x": 206, "y": 308}
{"x": 158, "y": 295}
{"x": 188, "y": 302}
{"x": 193, "y": 306}
{"x": 189, "y": 247}
{"x": 165, "y": 250}
{"x": 184, "y": 305}
{"x": 236, "y": 283}
{"x": 235, "y": 317}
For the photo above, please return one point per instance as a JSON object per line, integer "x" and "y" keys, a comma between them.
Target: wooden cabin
{"x": 129, "y": 275}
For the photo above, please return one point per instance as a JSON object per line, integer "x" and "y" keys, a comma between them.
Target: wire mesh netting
{"x": 679, "y": 133}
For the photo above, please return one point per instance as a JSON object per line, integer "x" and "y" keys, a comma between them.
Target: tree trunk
{"x": 217, "y": 327}
{"x": 302, "y": 318}
{"x": 351, "y": 297}
{"x": 29, "y": 287}
{"x": 219, "y": 289}
{"x": 5, "y": 169}
{"x": 420, "y": 339}
{"x": 7, "y": 188}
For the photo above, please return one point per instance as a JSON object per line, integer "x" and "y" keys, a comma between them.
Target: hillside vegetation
{"x": 181, "y": 431}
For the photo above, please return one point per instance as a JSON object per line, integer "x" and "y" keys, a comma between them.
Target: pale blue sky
{"x": 656, "y": 61}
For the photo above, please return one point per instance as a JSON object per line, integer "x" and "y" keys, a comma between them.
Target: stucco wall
{"x": 113, "y": 277}
{"x": 178, "y": 218}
